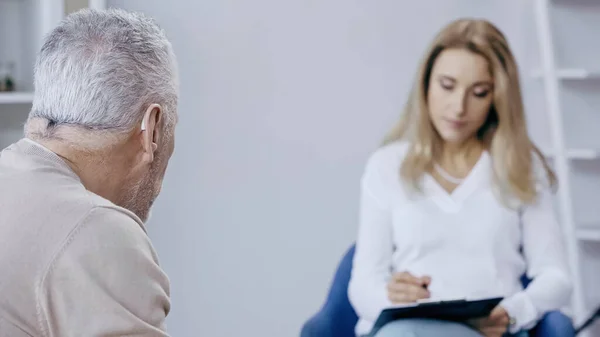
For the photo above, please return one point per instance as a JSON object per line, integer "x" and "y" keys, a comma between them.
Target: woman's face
{"x": 460, "y": 94}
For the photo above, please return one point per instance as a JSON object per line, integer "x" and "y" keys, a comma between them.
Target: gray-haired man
{"x": 75, "y": 193}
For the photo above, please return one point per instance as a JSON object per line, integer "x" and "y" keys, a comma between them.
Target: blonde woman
{"x": 458, "y": 202}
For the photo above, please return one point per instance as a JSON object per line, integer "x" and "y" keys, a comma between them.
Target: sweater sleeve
{"x": 371, "y": 268}
{"x": 544, "y": 252}
{"x": 106, "y": 281}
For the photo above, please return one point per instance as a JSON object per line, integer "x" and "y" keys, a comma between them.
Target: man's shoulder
{"x": 103, "y": 211}
{"x": 106, "y": 237}
{"x": 95, "y": 228}
{"x": 90, "y": 217}
{"x": 86, "y": 213}
{"x": 106, "y": 225}
{"x": 108, "y": 255}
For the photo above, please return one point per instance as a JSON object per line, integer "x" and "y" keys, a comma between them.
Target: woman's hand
{"x": 407, "y": 288}
{"x": 495, "y": 325}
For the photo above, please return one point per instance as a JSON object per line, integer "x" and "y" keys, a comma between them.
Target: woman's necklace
{"x": 447, "y": 176}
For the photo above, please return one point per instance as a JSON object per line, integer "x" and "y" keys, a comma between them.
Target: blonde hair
{"x": 504, "y": 133}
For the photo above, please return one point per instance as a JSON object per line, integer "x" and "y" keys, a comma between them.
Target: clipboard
{"x": 454, "y": 310}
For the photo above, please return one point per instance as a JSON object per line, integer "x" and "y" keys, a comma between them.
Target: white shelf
{"x": 588, "y": 233}
{"x": 563, "y": 28}
{"x": 16, "y": 97}
{"x": 577, "y": 154}
{"x": 583, "y": 154}
{"x": 572, "y": 74}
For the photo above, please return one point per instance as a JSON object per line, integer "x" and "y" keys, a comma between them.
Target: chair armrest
{"x": 554, "y": 324}
{"x": 337, "y": 317}
{"x": 319, "y": 325}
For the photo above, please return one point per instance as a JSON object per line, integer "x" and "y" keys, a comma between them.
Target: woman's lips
{"x": 455, "y": 124}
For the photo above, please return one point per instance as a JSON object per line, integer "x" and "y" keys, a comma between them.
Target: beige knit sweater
{"x": 71, "y": 263}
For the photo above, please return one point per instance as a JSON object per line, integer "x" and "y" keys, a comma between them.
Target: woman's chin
{"x": 453, "y": 138}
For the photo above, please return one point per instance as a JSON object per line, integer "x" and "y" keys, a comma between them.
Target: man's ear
{"x": 150, "y": 129}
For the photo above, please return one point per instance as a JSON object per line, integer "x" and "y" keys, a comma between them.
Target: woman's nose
{"x": 458, "y": 103}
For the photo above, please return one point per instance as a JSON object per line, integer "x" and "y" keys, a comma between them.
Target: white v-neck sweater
{"x": 467, "y": 241}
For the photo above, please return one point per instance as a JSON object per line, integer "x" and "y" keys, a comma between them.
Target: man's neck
{"x": 100, "y": 172}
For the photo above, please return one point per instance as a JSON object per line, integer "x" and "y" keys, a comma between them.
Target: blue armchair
{"x": 337, "y": 317}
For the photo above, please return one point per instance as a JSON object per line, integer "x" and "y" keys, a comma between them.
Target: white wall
{"x": 281, "y": 103}
{"x": 75, "y": 5}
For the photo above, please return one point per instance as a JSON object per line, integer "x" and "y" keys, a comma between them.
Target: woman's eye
{"x": 446, "y": 85}
{"x": 481, "y": 93}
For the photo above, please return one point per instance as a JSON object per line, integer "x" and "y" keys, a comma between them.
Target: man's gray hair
{"x": 101, "y": 70}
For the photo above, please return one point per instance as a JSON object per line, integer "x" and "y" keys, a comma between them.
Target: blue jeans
{"x": 430, "y": 328}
